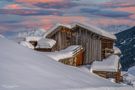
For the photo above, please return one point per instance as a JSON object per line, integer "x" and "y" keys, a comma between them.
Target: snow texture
{"x": 36, "y": 32}
{"x": 64, "y": 54}
{"x": 19, "y": 39}
{"x": 27, "y": 44}
{"x": 110, "y": 64}
{"x": 116, "y": 50}
{"x": 46, "y": 43}
{"x": 55, "y": 27}
{"x": 132, "y": 70}
{"x": 32, "y": 38}
{"x": 96, "y": 30}
{"x": 128, "y": 79}
{"x": 26, "y": 69}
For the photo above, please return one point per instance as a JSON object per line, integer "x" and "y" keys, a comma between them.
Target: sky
{"x": 18, "y": 15}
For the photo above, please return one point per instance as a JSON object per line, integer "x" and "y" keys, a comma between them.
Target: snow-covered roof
{"x": 59, "y": 55}
{"x": 32, "y": 38}
{"x": 55, "y": 27}
{"x": 110, "y": 64}
{"x": 96, "y": 30}
{"x": 86, "y": 26}
{"x": 26, "y": 69}
{"x": 45, "y": 43}
{"x": 116, "y": 50}
{"x": 66, "y": 53}
{"x": 27, "y": 44}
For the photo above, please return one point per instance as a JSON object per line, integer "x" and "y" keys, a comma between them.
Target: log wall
{"x": 106, "y": 44}
{"x": 93, "y": 44}
{"x": 116, "y": 75}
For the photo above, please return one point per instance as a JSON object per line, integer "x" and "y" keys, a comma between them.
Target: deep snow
{"x": 25, "y": 69}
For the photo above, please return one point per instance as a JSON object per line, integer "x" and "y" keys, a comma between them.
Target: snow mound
{"x": 32, "y": 38}
{"x": 25, "y": 69}
{"x": 45, "y": 43}
{"x": 69, "y": 52}
{"x": 109, "y": 64}
{"x": 27, "y": 44}
{"x": 117, "y": 51}
{"x": 129, "y": 79}
{"x": 132, "y": 70}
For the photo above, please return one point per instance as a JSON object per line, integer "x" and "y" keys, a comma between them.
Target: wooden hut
{"x": 45, "y": 45}
{"x": 72, "y": 55}
{"x": 108, "y": 68}
{"x": 76, "y": 58}
{"x": 97, "y": 43}
{"x": 33, "y": 40}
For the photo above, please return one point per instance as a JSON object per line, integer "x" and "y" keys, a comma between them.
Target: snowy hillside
{"x": 38, "y": 32}
{"x": 126, "y": 42}
{"x": 132, "y": 70}
{"x": 25, "y": 69}
{"x": 116, "y": 28}
{"x": 129, "y": 76}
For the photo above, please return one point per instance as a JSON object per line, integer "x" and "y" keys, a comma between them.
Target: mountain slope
{"x": 38, "y": 32}
{"x": 126, "y": 42}
{"x": 29, "y": 70}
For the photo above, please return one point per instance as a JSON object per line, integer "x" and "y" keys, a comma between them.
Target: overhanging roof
{"x": 85, "y": 26}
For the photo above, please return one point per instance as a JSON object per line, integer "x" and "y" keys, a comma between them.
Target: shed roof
{"x": 86, "y": 26}
{"x": 55, "y": 27}
{"x": 32, "y": 38}
{"x": 95, "y": 30}
{"x": 45, "y": 43}
{"x": 66, "y": 53}
{"x": 110, "y": 64}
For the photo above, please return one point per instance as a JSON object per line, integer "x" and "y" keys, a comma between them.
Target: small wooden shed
{"x": 97, "y": 43}
{"x": 45, "y": 45}
{"x": 108, "y": 68}
{"x": 33, "y": 40}
{"x": 72, "y": 55}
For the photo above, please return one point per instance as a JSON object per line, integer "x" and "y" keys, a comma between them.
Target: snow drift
{"x": 132, "y": 70}
{"x": 25, "y": 69}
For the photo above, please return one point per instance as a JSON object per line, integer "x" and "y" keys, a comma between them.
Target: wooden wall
{"x": 115, "y": 75}
{"x": 76, "y": 60}
{"x": 106, "y": 44}
{"x": 92, "y": 43}
{"x": 63, "y": 38}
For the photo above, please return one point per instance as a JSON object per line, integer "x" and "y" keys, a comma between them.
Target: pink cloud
{"x": 49, "y": 21}
{"x": 39, "y": 1}
{"x": 126, "y": 9}
{"x": 132, "y": 16}
{"x": 13, "y": 6}
{"x": 108, "y": 21}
